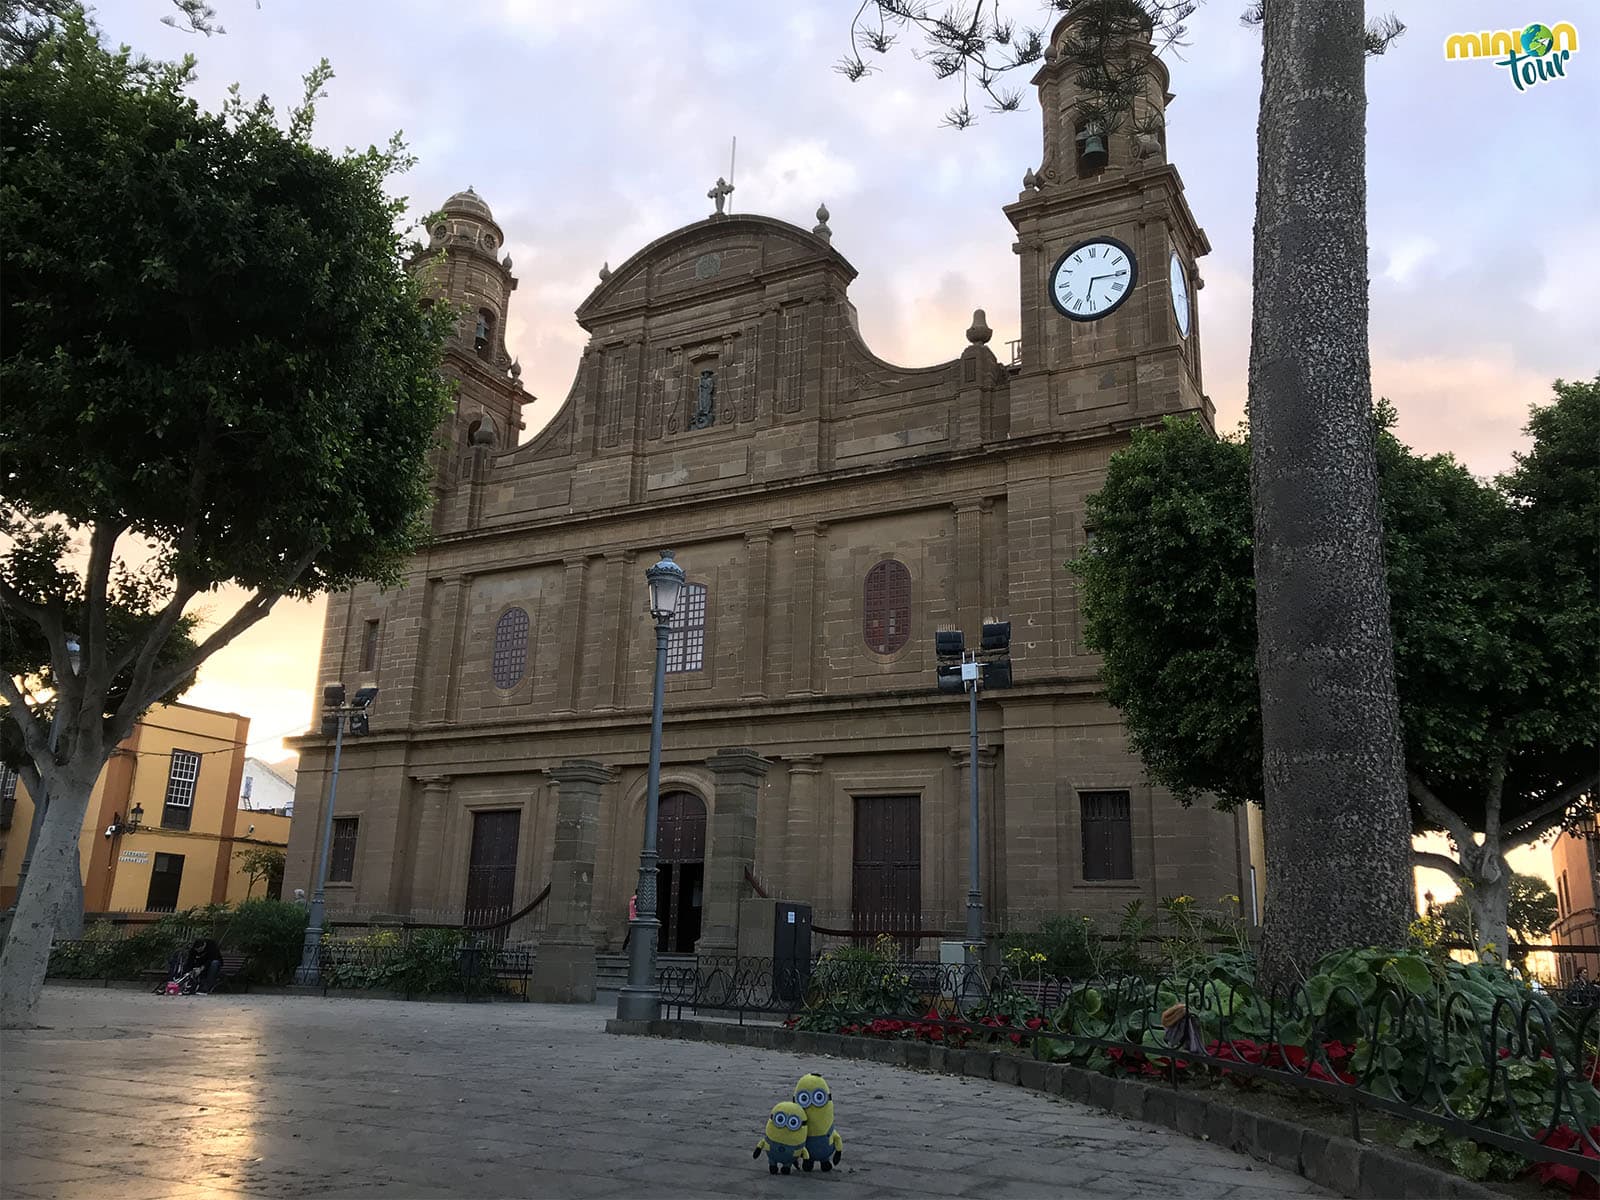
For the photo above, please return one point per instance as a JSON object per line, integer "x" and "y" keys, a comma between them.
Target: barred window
{"x": 182, "y": 776}
{"x": 1107, "y": 835}
{"x": 342, "y": 855}
{"x": 510, "y": 648}
{"x": 8, "y": 795}
{"x": 686, "y": 645}
{"x": 886, "y": 610}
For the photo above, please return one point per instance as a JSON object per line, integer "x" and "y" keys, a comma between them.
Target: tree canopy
{"x": 1493, "y": 590}
{"x": 216, "y": 371}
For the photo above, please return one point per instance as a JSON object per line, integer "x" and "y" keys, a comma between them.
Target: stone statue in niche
{"x": 705, "y": 404}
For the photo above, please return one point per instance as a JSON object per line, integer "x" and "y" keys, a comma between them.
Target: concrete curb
{"x": 1348, "y": 1167}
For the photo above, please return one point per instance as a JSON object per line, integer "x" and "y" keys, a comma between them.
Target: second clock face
{"x": 1093, "y": 278}
{"x": 1180, "y": 294}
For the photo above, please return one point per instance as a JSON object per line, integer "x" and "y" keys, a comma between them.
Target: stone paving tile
{"x": 133, "y": 1097}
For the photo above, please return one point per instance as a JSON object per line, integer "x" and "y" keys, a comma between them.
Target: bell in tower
{"x": 1108, "y": 247}
{"x": 1102, "y": 92}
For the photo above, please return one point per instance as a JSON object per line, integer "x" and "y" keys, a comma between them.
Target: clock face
{"x": 1092, "y": 279}
{"x": 1180, "y": 295}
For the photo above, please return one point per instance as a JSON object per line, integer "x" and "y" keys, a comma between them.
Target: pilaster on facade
{"x": 738, "y": 774}
{"x": 432, "y": 819}
{"x": 611, "y": 659}
{"x": 758, "y": 547}
{"x": 574, "y": 626}
{"x": 804, "y": 821}
{"x": 805, "y": 629}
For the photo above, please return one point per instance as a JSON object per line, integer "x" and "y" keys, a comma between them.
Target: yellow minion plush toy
{"x": 823, "y": 1143}
{"x": 785, "y": 1142}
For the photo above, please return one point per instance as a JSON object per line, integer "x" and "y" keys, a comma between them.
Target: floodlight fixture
{"x": 364, "y": 697}
{"x": 996, "y": 636}
{"x": 997, "y": 674}
{"x": 333, "y": 695}
{"x": 948, "y": 643}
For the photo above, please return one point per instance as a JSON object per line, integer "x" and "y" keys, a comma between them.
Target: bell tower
{"x": 1107, "y": 244}
{"x": 465, "y": 265}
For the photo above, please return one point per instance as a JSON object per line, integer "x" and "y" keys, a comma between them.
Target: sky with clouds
{"x": 592, "y": 128}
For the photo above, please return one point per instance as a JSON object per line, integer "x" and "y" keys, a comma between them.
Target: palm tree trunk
{"x": 1336, "y": 817}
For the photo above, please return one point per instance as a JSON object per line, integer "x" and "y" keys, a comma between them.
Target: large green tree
{"x": 1494, "y": 609}
{"x": 213, "y": 363}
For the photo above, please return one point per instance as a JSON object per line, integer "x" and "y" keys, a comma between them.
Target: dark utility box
{"x": 791, "y": 949}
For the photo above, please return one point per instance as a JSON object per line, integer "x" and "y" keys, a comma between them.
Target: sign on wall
{"x": 135, "y": 856}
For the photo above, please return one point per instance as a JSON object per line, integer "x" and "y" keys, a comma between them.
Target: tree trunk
{"x": 1487, "y": 900}
{"x": 1336, "y": 816}
{"x": 69, "y": 914}
{"x": 53, "y": 881}
{"x": 70, "y": 918}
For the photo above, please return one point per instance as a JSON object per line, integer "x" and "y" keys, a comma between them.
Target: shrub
{"x": 1076, "y": 947}
{"x": 270, "y": 933}
{"x": 105, "y": 952}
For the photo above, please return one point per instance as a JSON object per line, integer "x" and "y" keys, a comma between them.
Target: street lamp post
{"x": 42, "y": 801}
{"x": 640, "y": 998}
{"x": 336, "y": 714}
{"x": 963, "y": 670}
{"x": 975, "y": 879}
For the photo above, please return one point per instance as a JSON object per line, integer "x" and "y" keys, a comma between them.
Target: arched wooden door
{"x": 681, "y": 870}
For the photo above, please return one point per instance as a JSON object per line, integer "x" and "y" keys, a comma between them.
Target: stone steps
{"x": 611, "y": 970}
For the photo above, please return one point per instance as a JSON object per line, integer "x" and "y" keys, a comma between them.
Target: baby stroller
{"x": 180, "y": 981}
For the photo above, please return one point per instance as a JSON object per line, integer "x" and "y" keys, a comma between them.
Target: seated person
{"x": 205, "y": 957}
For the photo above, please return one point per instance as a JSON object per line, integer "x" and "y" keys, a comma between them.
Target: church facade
{"x": 831, "y": 512}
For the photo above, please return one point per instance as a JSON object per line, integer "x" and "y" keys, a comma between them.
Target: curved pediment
{"x": 700, "y": 262}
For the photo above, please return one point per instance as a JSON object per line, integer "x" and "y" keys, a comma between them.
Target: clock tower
{"x": 1108, "y": 246}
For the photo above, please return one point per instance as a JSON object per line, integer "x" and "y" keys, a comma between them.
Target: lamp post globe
{"x": 640, "y": 998}
{"x": 665, "y": 584}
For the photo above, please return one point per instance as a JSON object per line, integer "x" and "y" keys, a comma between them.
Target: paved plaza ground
{"x": 128, "y": 1096}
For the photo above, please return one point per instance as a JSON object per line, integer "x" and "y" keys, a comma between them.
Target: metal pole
{"x": 311, "y": 952}
{"x": 975, "y": 890}
{"x": 640, "y": 1000}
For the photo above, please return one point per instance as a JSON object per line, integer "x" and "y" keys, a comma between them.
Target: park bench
{"x": 513, "y": 969}
{"x": 1046, "y": 993}
{"x": 233, "y": 973}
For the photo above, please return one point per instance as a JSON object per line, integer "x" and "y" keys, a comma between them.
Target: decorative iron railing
{"x": 1521, "y": 1075}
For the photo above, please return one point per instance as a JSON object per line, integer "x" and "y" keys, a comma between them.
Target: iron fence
{"x": 474, "y": 967}
{"x": 1520, "y": 1075}
{"x": 448, "y": 961}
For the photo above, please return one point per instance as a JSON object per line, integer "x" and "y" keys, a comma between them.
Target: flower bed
{"x": 1493, "y": 1074}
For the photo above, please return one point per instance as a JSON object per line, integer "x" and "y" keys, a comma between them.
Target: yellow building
{"x": 164, "y": 828}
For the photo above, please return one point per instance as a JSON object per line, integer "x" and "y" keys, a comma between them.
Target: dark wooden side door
{"x": 681, "y": 853}
{"x": 165, "y": 877}
{"x": 492, "y": 869}
{"x": 887, "y": 880}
